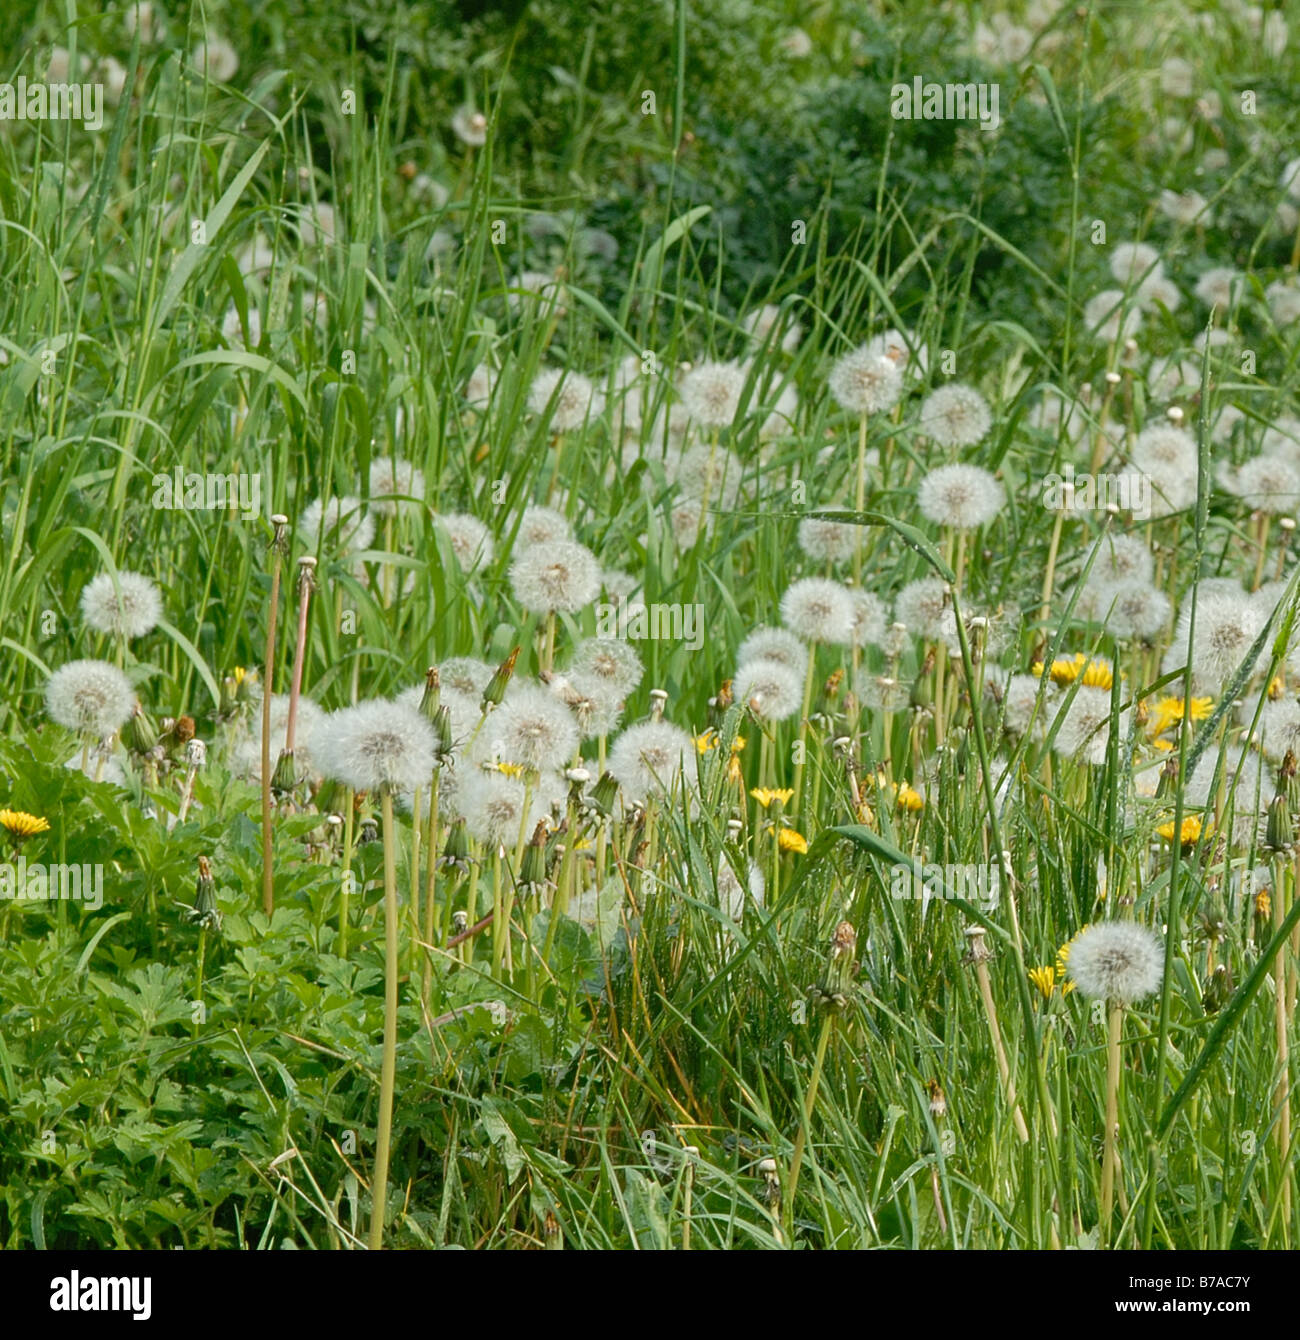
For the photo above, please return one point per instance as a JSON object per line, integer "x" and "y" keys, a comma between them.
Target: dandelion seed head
{"x": 710, "y": 472}
{"x": 376, "y": 745}
{"x": 920, "y": 606}
{"x": 393, "y": 483}
{"x": 774, "y": 644}
{"x": 829, "y": 541}
{"x": 649, "y": 759}
{"x": 818, "y": 610}
{"x": 531, "y": 728}
{"x": 960, "y": 497}
{"x": 129, "y": 610}
{"x": 1117, "y": 961}
{"x": 1111, "y": 317}
{"x": 866, "y": 381}
{"x": 561, "y": 576}
{"x": 711, "y": 393}
{"x": 576, "y": 399}
{"x": 92, "y": 698}
{"x": 339, "y": 524}
{"x": 470, "y": 540}
{"x": 772, "y": 691}
{"x": 956, "y": 415}
{"x": 611, "y": 662}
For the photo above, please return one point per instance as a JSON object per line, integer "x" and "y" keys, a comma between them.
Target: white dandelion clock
{"x": 960, "y": 497}
{"x": 818, "y": 610}
{"x": 543, "y": 525}
{"x": 470, "y": 127}
{"x": 772, "y": 691}
{"x": 711, "y": 393}
{"x": 216, "y": 59}
{"x": 339, "y": 524}
{"x": 870, "y": 617}
{"x": 378, "y": 746}
{"x": 497, "y": 807}
{"x": 394, "y": 485}
{"x": 570, "y": 397}
{"x": 1219, "y": 287}
{"x": 611, "y": 662}
{"x": 533, "y": 729}
{"x": 829, "y": 541}
{"x": 92, "y": 698}
{"x": 649, "y": 759}
{"x": 920, "y": 606}
{"x": 128, "y": 609}
{"x": 470, "y": 540}
{"x": 1117, "y": 961}
{"x": 1110, "y": 317}
{"x": 562, "y": 576}
{"x": 774, "y": 644}
{"x": 712, "y": 473}
{"x": 866, "y": 381}
{"x": 955, "y": 415}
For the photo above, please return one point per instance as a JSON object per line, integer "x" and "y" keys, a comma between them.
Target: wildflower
{"x": 1044, "y": 979}
{"x": 1084, "y": 732}
{"x": 956, "y": 415}
{"x": 1169, "y": 711}
{"x": 867, "y": 627}
{"x": 1020, "y": 697}
{"x": 470, "y": 540}
{"x": 92, "y": 698}
{"x": 377, "y": 745}
{"x": 562, "y": 576}
{"x": 1226, "y": 626}
{"x": 1133, "y": 609}
{"x": 908, "y": 798}
{"x": 789, "y": 839}
{"x": 128, "y": 609}
{"x": 648, "y": 759}
{"x": 866, "y": 381}
{"x": 20, "y": 825}
{"x": 818, "y": 610}
{"x": 492, "y": 804}
{"x": 963, "y": 497}
{"x": 711, "y": 393}
{"x": 1190, "y": 834}
{"x": 767, "y": 796}
{"x": 772, "y": 691}
{"x": 1265, "y": 483}
{"x": 1118, "y": 961}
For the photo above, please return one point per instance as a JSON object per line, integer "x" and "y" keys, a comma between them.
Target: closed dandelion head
{"x": 1117, "y": 961}
{"x": 774, "y": 644}
{"x": 128, "y": 610}
{"x": 920, "y": 606}
{"x": 376, "y": 746}
{"x": 960, "y": 497}
{"x": 339, "y": 525}
{"x": 817, "y": 609}
{"x": 470, "y": 540}
{"x": 866, "y": 381}
{"x": 571, "y": 398}
{"x": 772, "y": 691}
{"x": 611, "y": 662}
{"x": 829, "y": 541}
{"x": 956, "y": 415}
{"x": 393, "y": 485}
{"x": 563, "y": 576}
{"x": 532, "y": 728}
{"x": 649, "y": 758}
{"x": 711, "y": 393}
{"x": 92, "y": 698}
{"x": 543, "y": 525}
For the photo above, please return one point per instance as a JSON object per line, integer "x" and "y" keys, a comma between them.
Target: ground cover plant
{"x": 666, "y": 628}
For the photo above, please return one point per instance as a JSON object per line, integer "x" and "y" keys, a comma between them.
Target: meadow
{"x": 672, "y": 628}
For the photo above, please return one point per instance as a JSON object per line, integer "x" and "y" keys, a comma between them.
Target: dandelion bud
{"x": 1279, "y": 831}
{"x": 455, "y": 855}
{"x": 442, "y": 732}
{"x": 837, "y": 982}
{"x": 602, "y": 796}
{"x": 532, "y": 876}
{"x": 497, "y": 685}
{"x": 1217, "y": 990}
{"x": 204, "y": 913}
{"x": 459, "y": 922}
{"x": 285, "y": 776}
{"x": 431, "y": 699}
{"x": 552, "y": 1234}
{"x": 139, "y": 735}
{"x": 938, "y": 1102}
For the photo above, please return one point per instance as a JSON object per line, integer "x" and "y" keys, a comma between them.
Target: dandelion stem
{"x": 388, "y": 1068}
{"x": 1110, "y": 1154}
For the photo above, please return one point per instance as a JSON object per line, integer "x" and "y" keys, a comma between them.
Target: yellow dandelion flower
{"x": 1169, "y": 711}
{"x": 20, "y": 825}
{"x": 708, "y": 740}
{"x": 1191, "y": 834}
{"x": 766, "y": 795}
{"x": 910, "y": 800}
{"x": 510, "y": 769}
{"x": 789, "y": 839}
{"x": 1097, "y": 675}
{"x": 1063, "y": 954}
{"x": 1263, "y": 905}
{"x": 733, "y": 770}
{"x": 738, "y": 745}
{"x": 1044, "y": 979}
